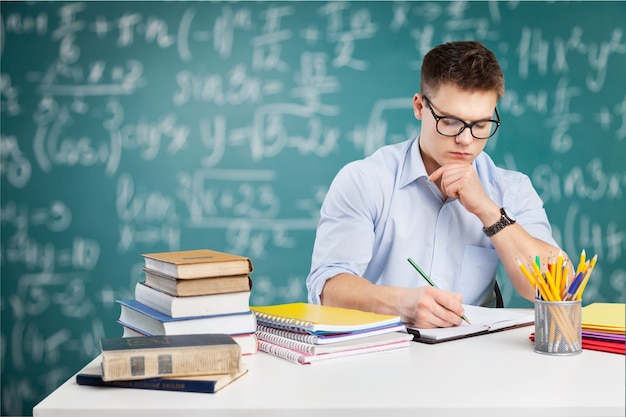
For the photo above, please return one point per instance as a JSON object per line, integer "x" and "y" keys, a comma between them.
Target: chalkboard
{"x": 131, "y": 128}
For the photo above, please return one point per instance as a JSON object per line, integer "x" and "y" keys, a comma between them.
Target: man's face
{"x": 469, "y": 106}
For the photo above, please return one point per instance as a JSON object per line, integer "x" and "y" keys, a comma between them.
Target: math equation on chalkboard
{"x": 141, "y": 127}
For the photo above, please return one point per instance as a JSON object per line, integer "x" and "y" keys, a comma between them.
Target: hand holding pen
{"x": 430, "y": 282}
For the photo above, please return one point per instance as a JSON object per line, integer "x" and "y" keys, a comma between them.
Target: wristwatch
{"x": 506, "y": 219}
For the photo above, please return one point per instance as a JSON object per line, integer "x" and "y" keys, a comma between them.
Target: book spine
{"x": 286, "y": 342}
{"x": 153, "y": 383}
{"x": 301, "y": 337}
{"x": 283, "y": 322}
{"x": 280, "y": 351}
{"x": 150, "y": 363}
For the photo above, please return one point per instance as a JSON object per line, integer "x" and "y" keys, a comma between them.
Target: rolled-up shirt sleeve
{"x": 345, "y": 233}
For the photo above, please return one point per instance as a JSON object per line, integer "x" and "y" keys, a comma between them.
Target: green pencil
{"x": 431, "y": 282}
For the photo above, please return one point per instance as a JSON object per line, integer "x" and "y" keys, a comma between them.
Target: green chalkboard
{"x": 137, "y": 127}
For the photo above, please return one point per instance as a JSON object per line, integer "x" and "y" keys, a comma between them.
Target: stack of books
{"x": 603, "y": 327}
{"x": 308, "y": 333}
{"x": 193, "y": 292}
{"x": 195, "y": 363}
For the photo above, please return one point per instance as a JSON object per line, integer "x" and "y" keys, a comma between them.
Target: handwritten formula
{"x": 132, "y": 128}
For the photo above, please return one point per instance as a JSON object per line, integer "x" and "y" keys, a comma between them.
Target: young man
{"x": 438, "y": 199}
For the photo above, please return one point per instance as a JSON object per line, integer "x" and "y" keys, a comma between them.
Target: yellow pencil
{"x": 552, "y": 340}
{"x": 564, "y": 280}
{"x": 552, "y": 286}
{"x": 530, "y": 278}
{"x": 581, "y": 262}
{"x": 583, "y": 284}
{"x": 545, "y": 292}
{"x": 559, "y": 272}
{"x": 524, "y": 270}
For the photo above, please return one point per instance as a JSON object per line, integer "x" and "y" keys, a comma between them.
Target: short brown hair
{"x": 467, "y": 64}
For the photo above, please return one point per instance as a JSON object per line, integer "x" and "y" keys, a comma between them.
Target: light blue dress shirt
{"x": 381, "y": 210}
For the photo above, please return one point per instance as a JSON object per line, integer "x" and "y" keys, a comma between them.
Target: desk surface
{"x": 492, "y": 375}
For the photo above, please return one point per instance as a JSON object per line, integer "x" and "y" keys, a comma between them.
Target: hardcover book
{"x": 129, "y": 358}
{"x": 197, "y": 305}
{"x": 199, "y": 263}
{"x": 144, "y": 319}
{"x": 198, "y": 286}
{"x": 204, "y": 383}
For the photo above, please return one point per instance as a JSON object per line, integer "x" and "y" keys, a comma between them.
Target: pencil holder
{"x": 558, "y": 329}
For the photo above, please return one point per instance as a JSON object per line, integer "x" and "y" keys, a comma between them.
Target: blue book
{"x": 92, "y": 375}
{"x": 145, "y": 319}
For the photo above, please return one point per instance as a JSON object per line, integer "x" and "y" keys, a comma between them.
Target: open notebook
{"x": 484, "y": 320}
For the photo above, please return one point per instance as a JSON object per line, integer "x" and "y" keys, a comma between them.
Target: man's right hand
{"x": 428, "y": 307}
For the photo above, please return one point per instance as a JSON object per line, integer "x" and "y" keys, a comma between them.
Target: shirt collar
{"x": 413, "y": 167}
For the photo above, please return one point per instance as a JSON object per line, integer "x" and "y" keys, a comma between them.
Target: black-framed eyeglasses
{"x": 453, "y": 126}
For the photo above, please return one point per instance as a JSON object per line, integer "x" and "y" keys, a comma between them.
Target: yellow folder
{"x": 604, "y": 317}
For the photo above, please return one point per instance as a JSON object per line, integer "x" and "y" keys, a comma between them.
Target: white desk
{"x": 493, "y": 375}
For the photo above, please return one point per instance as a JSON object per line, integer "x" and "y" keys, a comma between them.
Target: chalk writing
{"x": 136, "y": 127}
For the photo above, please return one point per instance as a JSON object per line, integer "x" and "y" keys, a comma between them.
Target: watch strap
{"x": 503, "y": 222}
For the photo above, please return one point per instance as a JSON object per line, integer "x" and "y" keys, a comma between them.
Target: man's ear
{"x": 418, "y": 106}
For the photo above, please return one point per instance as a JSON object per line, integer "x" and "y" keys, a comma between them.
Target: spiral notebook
{"x": 400, "y": 342}
{"x": 329, "y": 338}
{"x": 320, "y": 319}
{"x": 304, "y": 348}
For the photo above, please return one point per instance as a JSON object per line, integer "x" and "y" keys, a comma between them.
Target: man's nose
{"x": 465, "y": 137}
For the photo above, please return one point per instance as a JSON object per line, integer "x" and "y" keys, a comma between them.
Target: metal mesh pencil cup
{"x": 558, "y": 327}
